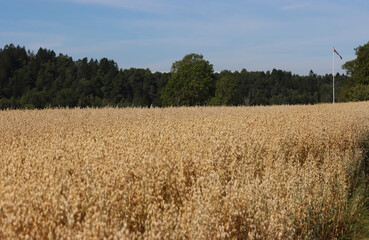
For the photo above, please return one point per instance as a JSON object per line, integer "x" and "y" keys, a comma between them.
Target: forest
{"x": 45, "y": 79}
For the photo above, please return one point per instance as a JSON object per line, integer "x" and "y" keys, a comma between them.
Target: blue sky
{"x": 292, "y": 35}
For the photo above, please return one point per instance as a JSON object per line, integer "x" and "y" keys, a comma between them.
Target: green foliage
{"x": 357, "y": 86}
{"x": 191, "y": 83}
{"x": 5, "y": 103}
{"x": 45, "y": 79}
{"x": 66, "y": 97}
{"x": 35, "y": 98}
{"x": 29, "y": 80}
{"x": 358, "y": 92}
{"x": 89, "y": 101}
{"x": 11, "y": 59}
{"x": 226, "y": 92}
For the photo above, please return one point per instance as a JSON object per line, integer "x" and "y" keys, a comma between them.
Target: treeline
{"x": 278, "y": 87}
{"x": 44, "y": 79}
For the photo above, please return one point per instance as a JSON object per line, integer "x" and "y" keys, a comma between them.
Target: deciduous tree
{"x": 191, "y": 83}
{"x": 357, "y": 86}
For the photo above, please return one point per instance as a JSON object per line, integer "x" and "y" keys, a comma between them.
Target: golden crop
{"x": 280, "y": 172}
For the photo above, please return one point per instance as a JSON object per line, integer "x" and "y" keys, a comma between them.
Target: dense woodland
{"x": 44, "y": 79}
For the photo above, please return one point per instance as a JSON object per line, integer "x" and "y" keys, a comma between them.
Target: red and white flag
{"x": 337, "y": 52}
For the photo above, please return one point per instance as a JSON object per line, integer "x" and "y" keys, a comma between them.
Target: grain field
{"x": 280, "y": 172}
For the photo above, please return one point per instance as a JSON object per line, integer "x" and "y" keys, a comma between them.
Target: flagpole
{"x": 333, "y": 73}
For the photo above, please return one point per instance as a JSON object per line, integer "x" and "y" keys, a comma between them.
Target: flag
{"x": 337, "y": 53}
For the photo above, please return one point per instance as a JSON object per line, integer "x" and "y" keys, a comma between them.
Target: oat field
{"x": 280, "y": 172}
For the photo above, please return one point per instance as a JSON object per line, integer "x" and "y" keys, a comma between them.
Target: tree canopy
{"x": 226, "y": 92}
{"x": 191, "y": 82}
{"x": 45, "y": 79}
{"x": 357, "y": 86}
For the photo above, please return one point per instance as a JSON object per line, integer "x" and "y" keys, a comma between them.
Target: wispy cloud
{"x": 158, "y": 6}
{"x": 292, "y": 6}
{"x": 33, "y": 40}
{"x": 295, "y": 35}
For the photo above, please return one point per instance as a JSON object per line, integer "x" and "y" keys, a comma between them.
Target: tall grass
{"x": 283, "y": 172}
{"x": 357, "y": 226}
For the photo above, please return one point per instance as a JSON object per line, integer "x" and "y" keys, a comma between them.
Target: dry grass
{"x": 282, "y": 172}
